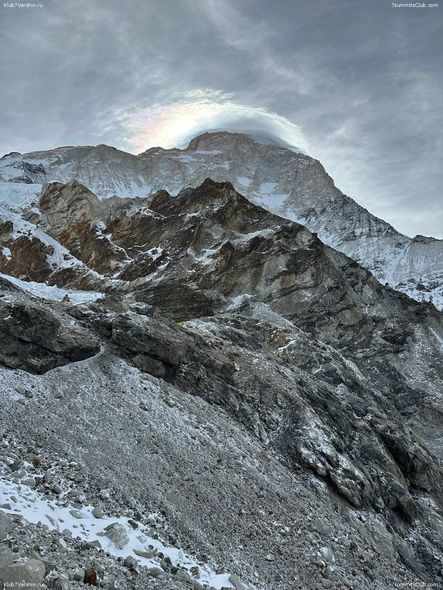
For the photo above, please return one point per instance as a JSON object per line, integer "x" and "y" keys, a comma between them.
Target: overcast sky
{"x": 359, "y": 81}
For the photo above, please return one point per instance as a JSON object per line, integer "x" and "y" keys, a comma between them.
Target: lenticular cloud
{"x": 173, "y": 124}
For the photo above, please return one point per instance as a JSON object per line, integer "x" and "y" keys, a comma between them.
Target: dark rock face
{"x": 36, "y": 339}
{"x": 28, "y": 258}
{"x": 283, "y": 403}
{"x": 154, "y": 345}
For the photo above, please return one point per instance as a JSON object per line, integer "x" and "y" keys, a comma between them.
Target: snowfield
{"x": 53, "y": 293}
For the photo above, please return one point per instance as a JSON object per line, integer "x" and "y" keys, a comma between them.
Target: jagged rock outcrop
{"x": 281, "y": 400}
{"x": 213, "y": 246}
{"x": 71, "y": 214}
{"x": 37, "y": 339}
{"x": 28, "y": 252}
{"x": 193, "y": 253}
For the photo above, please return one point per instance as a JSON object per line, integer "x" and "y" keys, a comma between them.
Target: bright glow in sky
{"x": 173, "y": 124}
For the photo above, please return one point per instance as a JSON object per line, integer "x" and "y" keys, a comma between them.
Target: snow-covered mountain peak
{"x": 11, "y": 155}
{"x": 286, "y": 182}
{"x": 211, "y": 139}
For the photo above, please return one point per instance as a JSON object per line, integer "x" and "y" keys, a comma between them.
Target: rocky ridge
{"x": 281, "y": 180}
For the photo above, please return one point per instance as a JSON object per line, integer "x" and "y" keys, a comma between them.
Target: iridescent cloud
{"x": 174, "y": 123}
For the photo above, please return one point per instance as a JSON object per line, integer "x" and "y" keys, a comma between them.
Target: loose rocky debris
{"x": 44, "y": 503}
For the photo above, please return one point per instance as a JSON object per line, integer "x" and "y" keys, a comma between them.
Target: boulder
{"x": 24, "y": 573}
{"x": 236, "y": 582}
{"x": 7, "y": 524}
{"x": 6, "y": 556}
{"x": 116, "y": 532}
{"x": 90, "y": 577}
{"x": 36, "y": 338}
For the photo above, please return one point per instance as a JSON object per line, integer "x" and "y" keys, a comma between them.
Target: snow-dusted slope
{"x": 28, "y": 252}
{"x": 106, "y": 170}
{"x": 289, "y": 183}
{"x": 51, "y": 292}
{"x": 244, "y": 408}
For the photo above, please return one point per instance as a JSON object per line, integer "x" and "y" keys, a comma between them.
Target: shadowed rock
{"x": 36, "y": 338}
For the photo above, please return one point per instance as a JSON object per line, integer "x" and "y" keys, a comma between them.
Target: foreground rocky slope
{"x": 285, "y": 182}
{"x": 240, "y": 406}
